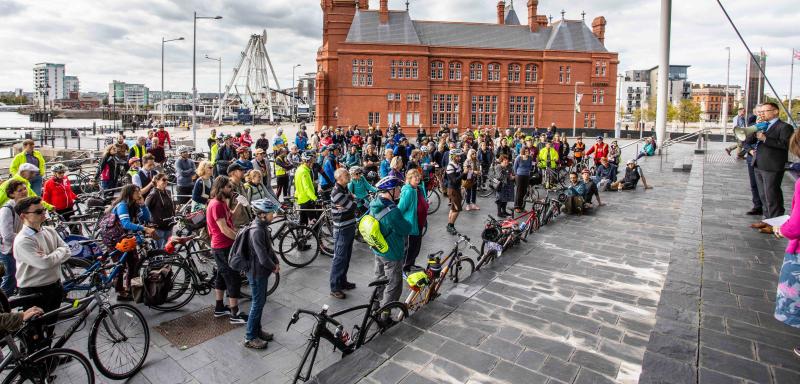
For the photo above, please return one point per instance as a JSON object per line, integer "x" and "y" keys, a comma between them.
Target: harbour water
{"x": 16, "y": 120}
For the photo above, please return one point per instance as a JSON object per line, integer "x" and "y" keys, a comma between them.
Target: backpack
{"x": 239, "y": 258}
{"x": 111, "y": 231}
{"x": 370, "y": 228}
{"x": 157, "y": 285}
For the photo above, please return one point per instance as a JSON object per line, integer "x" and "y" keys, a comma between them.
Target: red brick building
{"x": 380, "y": 67}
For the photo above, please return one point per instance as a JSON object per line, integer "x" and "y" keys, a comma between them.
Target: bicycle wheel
{"x": 311, "y": 351}
{"x": 462, "y": 269}
{"x": 299, "y": 246}
{"x": 383, "y": 319}
{"x": 119, "y": 341}
{"x": 487, "y": 258}
{"x": 79, "y": 286}
{"x": 325, "y": 235}
{"x": 184, "y": 283}
{"x": 434, "y": 201}
{"x": 88, "y": 184}
{"x": 57, "y": 365}
{"x": 533, "y": 194}
{"x": 272, "y": 285}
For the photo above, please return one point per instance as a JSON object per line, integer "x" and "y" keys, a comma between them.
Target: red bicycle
{"x": 498, "y": 236}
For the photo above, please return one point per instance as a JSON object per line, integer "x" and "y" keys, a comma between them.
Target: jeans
{"x": 751, "y": 172}
{"x": 394, "y": 271}
{"x": 342, "y": 250}
{"x": 163, "y": 235}
{"x": 9, "y": 283}
{"x": 472, "y": 194}
{"x": 36, "y": 184}
{"x": 258, "y": 287}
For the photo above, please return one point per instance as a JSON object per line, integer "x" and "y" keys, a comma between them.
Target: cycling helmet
{"x": 354, "y": 170}
{"x": 58, "y": 168}
{"x": 280, "y": 130}
{"x": 183, "y": 149}
{"x": 243, "y": 149}
{"x": 127, "y": 244}
{"x": 133, "y": 160}
{"x": 265, "y": 206}
{"x": 456, "y": 152}
{"x": 372, "y": 175}
{"x": 388, "y": 183}
{"x": 307, "y": 155}
{"x": 424, "y": 148}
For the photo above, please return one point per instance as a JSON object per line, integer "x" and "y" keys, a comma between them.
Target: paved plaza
{"x": 663, "y": 285}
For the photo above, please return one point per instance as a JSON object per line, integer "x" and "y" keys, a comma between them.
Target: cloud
{"x": 122, "y": 40}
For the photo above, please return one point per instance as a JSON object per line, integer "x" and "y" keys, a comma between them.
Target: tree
{"x": 14, "y": 100}
{"x": 687, "y": 111}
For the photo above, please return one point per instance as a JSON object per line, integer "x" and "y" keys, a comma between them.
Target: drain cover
{"x": 194, "y": 328}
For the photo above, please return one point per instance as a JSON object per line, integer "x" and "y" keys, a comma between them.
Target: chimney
{"x": 532, "y": 23}
{"x": 599, "y": 28}
{"x": 363, "y": 4}
{"x": 501, "y": 12}
{"x": 384, "y": 12}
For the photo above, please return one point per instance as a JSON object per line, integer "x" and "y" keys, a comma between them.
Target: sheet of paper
{"x": 777, "y": 221}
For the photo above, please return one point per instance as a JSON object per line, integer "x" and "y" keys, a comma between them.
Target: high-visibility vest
{"x": 279, "y": 171}
{"x": 136, "y": 151}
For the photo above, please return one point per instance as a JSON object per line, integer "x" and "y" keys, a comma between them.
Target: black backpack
{"x": 240, "y": 259}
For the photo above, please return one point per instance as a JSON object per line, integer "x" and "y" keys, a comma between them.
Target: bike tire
{"x": 378, "y": 324}
{"x": 291, "y": 244}
{"x": 184, "y": 286}
{"x": 487, "y": 258}
{"x": 40, "y": 367}
{"x": 434, "y": 201}
{"x": 325, "y": 235}
{"x": 272, "y": 285}
{"x": 103, "y": 322}
{"x": 71, "y": 270}
{"x": 460, "y": 267}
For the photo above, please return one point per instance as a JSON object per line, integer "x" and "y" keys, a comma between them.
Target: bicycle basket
{"x": 127, "y": 244}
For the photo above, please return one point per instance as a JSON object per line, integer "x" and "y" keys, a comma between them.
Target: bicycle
{"x": 499, "y": 236}
{"x": 455, "y": 266}
{"x": 298, "y": 245}
{"x": 432, "y": 186}
{"x": 377, "y": 319}
{"x": 551, "y": 208}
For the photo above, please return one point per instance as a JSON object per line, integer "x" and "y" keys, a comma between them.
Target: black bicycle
{"x": 377, "y": 319}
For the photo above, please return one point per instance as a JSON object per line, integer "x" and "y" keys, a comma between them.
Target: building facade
{"x": 754, "y": 86}
{"x": 378, "y": 67}
{"x": 133, "y": 95}
{"x": 71, "y": 84}
{"x": 679, "y": 85}
{"x": 48, "y": 83}
{"x": 633, "y": 96}
{"x": 711, "y": 99}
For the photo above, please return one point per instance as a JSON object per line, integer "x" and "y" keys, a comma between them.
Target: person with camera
{"x": 504, "y": 189}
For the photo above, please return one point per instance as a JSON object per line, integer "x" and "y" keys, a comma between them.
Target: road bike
{"x": 377, "y": 319}
{"x": 455, "y": 267}
{"x": 498, "y": 236}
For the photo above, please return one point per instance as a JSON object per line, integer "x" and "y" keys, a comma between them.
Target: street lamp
{"x": 576, "y": 104}
{"x": 163, "y": 41}
{"x": 725, "y": 105}
{"x": 194, "y": 73}
{"x": 294, "y": 95}
{"x": 618, "y": 131}
{"x": 219, "y": 90}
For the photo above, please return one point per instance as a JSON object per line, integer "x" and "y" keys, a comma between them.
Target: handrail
{"x": 685, "y": 137}
{"x": 632, "y": 143}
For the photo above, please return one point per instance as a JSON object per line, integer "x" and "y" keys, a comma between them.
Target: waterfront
{"x": 18, "y": 120}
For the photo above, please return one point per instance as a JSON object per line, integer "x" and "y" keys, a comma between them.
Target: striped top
{"x": 343, "y": 212}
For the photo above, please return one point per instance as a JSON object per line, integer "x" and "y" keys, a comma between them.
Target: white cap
{"x": 28, "y": 167}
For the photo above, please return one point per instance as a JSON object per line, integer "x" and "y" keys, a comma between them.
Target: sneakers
{"x": 468, "y": 207}
{"x": 728, "y": 150}
{"x": 338, "y": 295}
{"x": 451, "y": 229}
{"x": 475, "y": 207}
{"x": 255, "y": 344}
{"x": 224, "y": 311}
{"x": 240, "y": 318}
{"x": 348, "y": 286}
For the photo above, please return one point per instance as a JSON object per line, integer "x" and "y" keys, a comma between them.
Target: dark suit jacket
{"x": 773, "y": 153}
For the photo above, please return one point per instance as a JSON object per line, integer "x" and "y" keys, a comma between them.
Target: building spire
{"x": 407, "y": 5}
{"x": 583, "y": 15}
{"x": 562, "y": 14}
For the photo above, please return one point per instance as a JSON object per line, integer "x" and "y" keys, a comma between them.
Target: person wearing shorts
{"x": 454, "y": 174}
{"x": 219, "y": 221}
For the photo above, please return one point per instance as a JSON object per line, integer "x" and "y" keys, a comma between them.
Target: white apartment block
{"x": 48, "y": 83}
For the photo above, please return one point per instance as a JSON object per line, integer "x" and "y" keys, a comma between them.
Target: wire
{"x": 749, "y": 52}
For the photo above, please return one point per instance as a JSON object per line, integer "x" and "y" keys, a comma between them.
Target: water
{"x": 16, "y": 120}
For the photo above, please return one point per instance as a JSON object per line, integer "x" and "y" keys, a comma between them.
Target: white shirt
{"x": 39, "y": 256}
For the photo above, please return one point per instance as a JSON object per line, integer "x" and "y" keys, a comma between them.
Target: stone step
{"x": 682, "y": 165}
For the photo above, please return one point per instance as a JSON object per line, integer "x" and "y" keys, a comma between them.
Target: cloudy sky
{"x": 104, "y": 41}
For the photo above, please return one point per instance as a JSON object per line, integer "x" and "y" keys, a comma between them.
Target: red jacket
{"x": 599, "y": 150}
{"x": 163, "y": 138}
{"x": 246, "y": 140}
{"x": 58, "y": 193}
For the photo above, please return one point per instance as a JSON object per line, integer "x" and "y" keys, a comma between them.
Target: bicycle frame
{"x": 96, "y": 266}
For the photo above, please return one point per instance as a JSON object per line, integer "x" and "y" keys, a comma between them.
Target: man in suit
{"x": 771, "y": 156}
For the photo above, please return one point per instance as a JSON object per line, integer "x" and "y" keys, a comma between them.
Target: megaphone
{"x": 742, "y": 133}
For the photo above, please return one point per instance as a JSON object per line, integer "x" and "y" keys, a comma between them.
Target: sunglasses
{"x": 37, "y": 212}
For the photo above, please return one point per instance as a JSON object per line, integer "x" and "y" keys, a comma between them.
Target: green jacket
{"x": 408, "y": 206}
{"x": 394, "y": 228}
{"x": 213, "y": 157}
{"x": 304, "y": 190}
{"x": 4, "y": 197}
{"x": 545, "y": 154}
{"x": 19, "y": 159}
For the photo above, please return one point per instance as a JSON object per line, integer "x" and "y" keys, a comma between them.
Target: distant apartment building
{"x": 679, "y": 85}
{"x": 126, "y": 94}
{"x": 71, "y": 84}
{"x": 711, "y": 99}
{"x": 754, "y": 82}
{"x": 633, "y": 96}
{"x": 48, "y": 83}
{"x": 155, "y": 96}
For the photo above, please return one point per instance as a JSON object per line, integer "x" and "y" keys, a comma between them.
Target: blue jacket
{"x": 301, "y": 142}
{"x": 577, "y": 190}
{"x": 329, "y": 167}
{"x": 384, "y": 169}
{"x": 394, "y": 228}
{"x": 184, "y": 168}
{"x": 523, "y": 167}
{"x": 408, "y": 206}
{"x": 121, "y": 210}
{"x": 604, "y": 172}
{"x": 352, "y": 159}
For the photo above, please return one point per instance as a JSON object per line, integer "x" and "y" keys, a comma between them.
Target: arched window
{"x": 476, "y": 72}
{"x": 493, "y": 73}
{"x": 531, "y": 73}
{"x": 513, "y": 73}
{"x": 455, "y": 71}
{"x": 437, "y": 70}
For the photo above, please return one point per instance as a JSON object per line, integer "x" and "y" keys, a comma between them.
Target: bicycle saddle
{"x": 379, "y": 282}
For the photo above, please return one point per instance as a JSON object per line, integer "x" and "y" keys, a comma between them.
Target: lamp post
{"x": 294, "y": 95}
{"x": 576, "y": 104}
{"x": 194, "y": 73}
{"x": 163, "y": 41}
{"x": 219, "y": 90}
{"x": 618, "y": 131}
{"x": 725, "y": 104}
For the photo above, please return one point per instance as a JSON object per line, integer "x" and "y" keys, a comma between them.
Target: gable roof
{"x": 570, "y": 35}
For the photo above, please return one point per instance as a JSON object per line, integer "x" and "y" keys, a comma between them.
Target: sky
{"x": 121, "y": 40}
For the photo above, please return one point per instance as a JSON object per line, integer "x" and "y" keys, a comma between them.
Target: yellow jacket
{"x": 304, "y": 185}
{"x": 214, "y": 150}
{"x": 4, "y": 197}
{"x": 19, "y": 159}
{"x": 545, "y": 154}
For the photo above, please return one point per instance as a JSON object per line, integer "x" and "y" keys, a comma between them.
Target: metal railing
{"x": 679, "y": 139}
{"x": 632, "y": 143}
